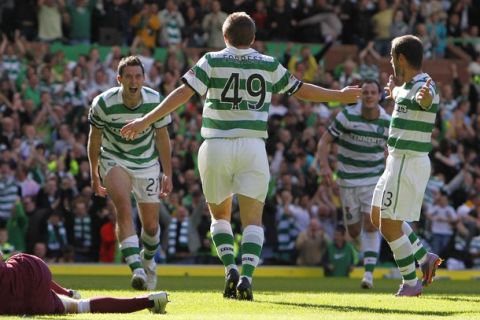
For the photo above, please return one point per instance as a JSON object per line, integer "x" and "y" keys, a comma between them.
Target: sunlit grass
{"x": 284, "y": 298}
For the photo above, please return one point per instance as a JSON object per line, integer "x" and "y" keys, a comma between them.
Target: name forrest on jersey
{"x": 238, "y": 84}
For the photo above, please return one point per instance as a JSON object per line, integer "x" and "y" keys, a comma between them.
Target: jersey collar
{"x": 240, "y": 52}
{"x": 120, "y": 95}
{"x": 418, "y": 77}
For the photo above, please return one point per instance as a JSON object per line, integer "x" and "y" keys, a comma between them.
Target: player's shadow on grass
{"x": 455, "y": 299}
{"x": 51, "y": 317}
{"x": 363, "y": 309}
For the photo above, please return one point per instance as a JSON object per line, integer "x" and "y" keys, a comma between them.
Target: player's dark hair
{"x": 411, "y": 48}
{"x": 239, "y": 29}
{"x": 128, "y": 62}
{"x": 370, "y": 81}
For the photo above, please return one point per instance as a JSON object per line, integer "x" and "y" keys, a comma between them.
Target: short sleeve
{"x": 96, "y": 115}
{"x": 283, "y": 81}
{"x": 165, "y": 121}
{"x": 198, "y": 77}
{"x": 337, "y": 127}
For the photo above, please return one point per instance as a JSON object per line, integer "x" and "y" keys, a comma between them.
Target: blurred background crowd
{"x": 46, "y": 202}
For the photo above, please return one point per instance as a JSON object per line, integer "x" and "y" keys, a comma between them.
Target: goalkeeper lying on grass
{"x": 26, "y": 287}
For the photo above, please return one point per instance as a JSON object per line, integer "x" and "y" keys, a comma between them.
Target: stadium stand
{"x": 49, "y": 75}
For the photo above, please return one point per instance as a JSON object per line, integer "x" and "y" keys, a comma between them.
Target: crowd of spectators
{"x": 46, "y": 202}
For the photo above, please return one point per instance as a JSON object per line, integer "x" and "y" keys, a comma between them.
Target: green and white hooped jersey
{"x": 239, "y": 84}
{"x": 361, "y": 146}
{"x": 12, "y": 65}
{"x": 411, "y": 126}
{"x": 110, "y": 114}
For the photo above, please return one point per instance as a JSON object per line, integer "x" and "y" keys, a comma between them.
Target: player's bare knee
{"x": 151, "y": 229}
{"x": 391, "y": 229}
{"x": 375, "y": 217}
{"x": 124, "y": 210}
{"x": 221, "y": 211}
{"x": 225, "y": 217}
{"x": 368, "y": 225}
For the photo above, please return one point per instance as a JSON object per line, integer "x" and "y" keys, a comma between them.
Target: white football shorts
{"x": 233, "y": 166}
{"x": 145, "y": 182}
{"x": 355, "y": 202}
{"x": 400, "y": 190}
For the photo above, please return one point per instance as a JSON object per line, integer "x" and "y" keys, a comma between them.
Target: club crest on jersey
{"x": 380, "y": 130}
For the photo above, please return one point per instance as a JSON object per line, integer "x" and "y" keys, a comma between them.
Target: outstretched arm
{"x": 174, "y": 100}
{"x": 311, "y": 92}
{"x": 58, "y": 289}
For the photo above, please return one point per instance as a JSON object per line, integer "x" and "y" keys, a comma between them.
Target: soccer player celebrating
{"x": 361, "y": 133}
{"x": 238, "y": 82}
{"x": 26, "y": 287}
{"x": 131, "y": 166}
{"x": 398, "y": 195}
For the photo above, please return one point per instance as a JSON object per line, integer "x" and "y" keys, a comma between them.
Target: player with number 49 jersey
{"x": 239, "y": 84}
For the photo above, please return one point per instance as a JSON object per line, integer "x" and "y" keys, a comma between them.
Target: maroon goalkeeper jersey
{"x": 25, "y": 287}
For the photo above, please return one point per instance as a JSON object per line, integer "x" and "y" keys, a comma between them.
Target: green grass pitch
{"x": 287, "y": 298}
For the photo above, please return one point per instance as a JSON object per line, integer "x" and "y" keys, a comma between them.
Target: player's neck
{"x": 236, "y": 47}
{"x": 409, "y": 74}
{"x": 370, "y": 113}
{"x": 239, "y": 47}
{"x": 132, "y": 103}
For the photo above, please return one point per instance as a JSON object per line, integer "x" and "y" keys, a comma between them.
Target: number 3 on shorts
{"x": 387, "y": 199}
